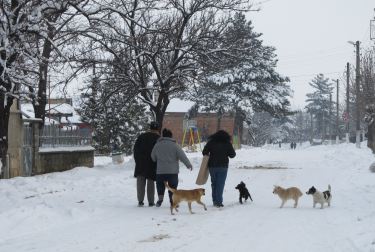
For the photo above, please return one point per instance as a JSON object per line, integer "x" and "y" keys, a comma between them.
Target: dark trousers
{"x": 141, "y": 184}
{"x": 218, "y": 177}
{"x": 172, "y": 180}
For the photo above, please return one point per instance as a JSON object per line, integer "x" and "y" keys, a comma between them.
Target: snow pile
{"x": 95, "y": 209}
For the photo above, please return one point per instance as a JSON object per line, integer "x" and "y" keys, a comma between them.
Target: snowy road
{"x": 95, "y": 209}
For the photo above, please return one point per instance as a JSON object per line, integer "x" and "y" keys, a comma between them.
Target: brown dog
{"x": 286, "y": 194}
{"x": 186, "y": 195}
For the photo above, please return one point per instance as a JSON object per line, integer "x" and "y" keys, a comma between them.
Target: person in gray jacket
{"x": 167, "y": 154}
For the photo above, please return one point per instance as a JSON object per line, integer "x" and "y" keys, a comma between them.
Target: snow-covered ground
{"x": 95, "y": 209}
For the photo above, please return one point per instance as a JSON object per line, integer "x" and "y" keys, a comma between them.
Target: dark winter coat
{"x": 144, "y": 166}
{"x": 219, "y": 150}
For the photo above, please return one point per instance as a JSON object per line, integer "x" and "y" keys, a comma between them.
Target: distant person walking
{"x": 145, "y": 168}
{"x": 219, "y": 148}
{"x": 167, "y": 154}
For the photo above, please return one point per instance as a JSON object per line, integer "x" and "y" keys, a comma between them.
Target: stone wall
{"x": 62, "y": 159}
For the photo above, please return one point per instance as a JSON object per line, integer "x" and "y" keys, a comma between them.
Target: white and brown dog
{"x": 320, "y": 197}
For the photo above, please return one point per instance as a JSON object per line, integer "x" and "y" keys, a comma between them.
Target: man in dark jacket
{"x": 145, "y": 168}
{"x": 218, "y": 148}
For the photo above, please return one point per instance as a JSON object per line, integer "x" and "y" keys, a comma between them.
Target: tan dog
{"x": 186, "y": 195}
{"x": 286, "y": 194}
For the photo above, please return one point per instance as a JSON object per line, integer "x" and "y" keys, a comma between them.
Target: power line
{"x": 314, "y": 74}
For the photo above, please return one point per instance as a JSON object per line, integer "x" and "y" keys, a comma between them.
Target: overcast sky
{"x": 311, "y": 37}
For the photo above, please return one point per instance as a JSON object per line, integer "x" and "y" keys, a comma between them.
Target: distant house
{"x": 58, "y": 112}
{"x": 205, "y": 123}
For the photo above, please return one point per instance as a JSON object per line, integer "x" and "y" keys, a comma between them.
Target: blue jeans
{"x": 218, "y": 177}
{"x": 172, "y": 180}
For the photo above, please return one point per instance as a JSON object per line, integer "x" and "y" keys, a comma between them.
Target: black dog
{"x": 244, "y": 193}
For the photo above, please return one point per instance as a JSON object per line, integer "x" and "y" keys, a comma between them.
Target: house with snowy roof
{"x": 58, "y": 112}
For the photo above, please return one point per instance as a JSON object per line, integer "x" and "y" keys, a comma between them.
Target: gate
{"x": 27, "y": 151}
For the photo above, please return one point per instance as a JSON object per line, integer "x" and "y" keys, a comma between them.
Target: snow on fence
{"x": 55, "y": 136}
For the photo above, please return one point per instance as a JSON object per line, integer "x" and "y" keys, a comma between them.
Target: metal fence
{"x": 55, "y": 136}
{"x": 27, "y": 150}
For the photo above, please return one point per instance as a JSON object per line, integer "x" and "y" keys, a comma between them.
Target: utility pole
{"x": 357, "y": 80}
{"x": 311, "y": 128}
{"x": 337, "y": 113}
{"x": 49, "y": 98}
{"x": 347, "y": 101}
{"x": 330, "y": 118}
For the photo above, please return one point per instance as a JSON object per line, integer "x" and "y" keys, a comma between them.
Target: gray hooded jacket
{"x": 166, "y": 153}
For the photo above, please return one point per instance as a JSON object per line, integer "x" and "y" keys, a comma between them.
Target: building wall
{"x": 206, "y": 124}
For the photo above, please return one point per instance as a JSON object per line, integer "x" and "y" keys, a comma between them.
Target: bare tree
{"x": 157, "y": 47}
{"x": 28, "y": 30}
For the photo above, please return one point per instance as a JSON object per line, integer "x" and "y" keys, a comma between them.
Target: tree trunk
{"x": 41, "y": 99}
{"x": 370, "y": 137}
{"x": 4, "y": 122}
{"x": 238, "y": 123}
{"x": 160, "y": 108}
{"x": 219, "y": 114}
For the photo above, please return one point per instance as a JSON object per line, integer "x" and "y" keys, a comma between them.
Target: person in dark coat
{"x": 219, "y": 148}
{"x": 145, "y": 168}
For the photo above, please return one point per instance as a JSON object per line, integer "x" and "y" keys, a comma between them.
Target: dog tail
{"x": 329, "y": 188}
{"x": 169, "y": 188}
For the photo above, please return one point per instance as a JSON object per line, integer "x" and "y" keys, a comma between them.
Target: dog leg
{"x": 204, "y": 206}
{"x": 282, "y": 204}
{"x": 240, "y": 199}
{"x": 329, "y": 203}
{"x": 174, "y": 206}
{"x": 321, "y": 205}
{"x": 172, "y": 210}
{"x": 189, "y": 204}
{"x": 314, "y": 204}
{"x": 295, "y": 203}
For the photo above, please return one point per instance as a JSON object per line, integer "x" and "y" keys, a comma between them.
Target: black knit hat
{"x": 154, "y": 126}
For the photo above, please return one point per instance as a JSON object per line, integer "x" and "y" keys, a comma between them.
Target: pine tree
{"x": 319, "y": 103}
{"x": 245, "y": 79}
{"x": 116, "y": 121}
